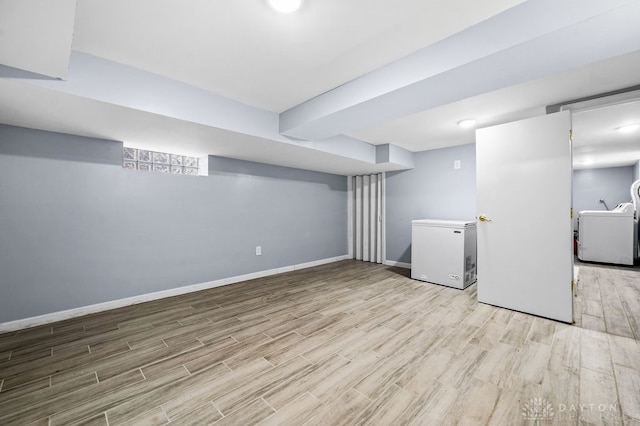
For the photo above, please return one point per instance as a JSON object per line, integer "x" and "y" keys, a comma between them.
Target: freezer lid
{"x": 441, "y": 223}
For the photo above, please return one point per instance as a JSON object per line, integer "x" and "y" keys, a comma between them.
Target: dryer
{"x": 607, "y": 236}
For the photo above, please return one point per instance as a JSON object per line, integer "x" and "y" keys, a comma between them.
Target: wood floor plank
{"x": 479, "y": 315}
{"x": 367, "y": 342}
{"x": 211, "y": 350}
{"x": 334, "y": 345}
{"x": 630, "y": 300}
{"x": 99, "y": 420}
{"x": 598, "y": 389}
{"x": 593, "y": 308}
{"x": 297, "y": 411}
{"x": 25, "y": 399}
{"x": 462, "y": 367}
{"x": 542, "y": 331}
{"x": 530, "y": 364}
{"x": 311, "y": 377}
{"x": 346, "y": 377}
{"x": 93, "y": 406}
{"x": 432, "y": 406}
{"x": 229, "y": 326}
{"x": 188, "y": 402}
{"x": 387, "y": 407}
{"x": 203, "y": 415}
{"x": 425, "y": 371}
{"x": 383, "y": 377}
{"x": 341, "y": 411}
{"x": 163, "y": 393}
{"x": 516, "y": 331}
{"x": 22, "y": 374}
{"x": 26, "y": 389}
{"x": 599, "y": 360}
{"x": 262, "y": 327}
{"x": 427, "y": 341}
{"x": 153, "y": 417}
{"x": 260, "y": 384}
{"x": 22, "y": 356}
{"x": 343, "y": 343}
{"x": 33, "y": 409}
{"x": 497, "y": 367}
{"x": 253, "y": 413}
{"x": 484, "y": 396}
{"x": 562, "y": 389}
{"x": 298, "y": 348}
{"x": 566, "y": 348}
{"x": 320, "y": 323}
{"x": 213, "y": 357}
{"x": 459, "y": 338}
{"x": 263, "y": 350}
{"x": 625, "y": 351}
{"x": 511, "y": 403}
{"x": 292, "y": 325}
{"x": 590, "y": 322}
{"x": 628, "y": 380}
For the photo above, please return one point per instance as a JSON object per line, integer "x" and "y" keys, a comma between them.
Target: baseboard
{"x": 114, "y": 304}
{"x": 320, "y": 262}
{"x": 398, "y": 264}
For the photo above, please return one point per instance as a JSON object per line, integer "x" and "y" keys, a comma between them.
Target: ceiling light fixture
{"x": 468, "y": 123}
{"x": 285, "y": 6}
{"x": 628, "y": 128}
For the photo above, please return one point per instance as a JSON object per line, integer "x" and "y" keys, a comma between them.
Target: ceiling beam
{"x": 520, "y": 44}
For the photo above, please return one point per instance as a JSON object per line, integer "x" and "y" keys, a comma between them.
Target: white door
{"x": 525, "y": 243}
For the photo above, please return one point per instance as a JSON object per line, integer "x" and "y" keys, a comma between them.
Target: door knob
{"x": 483, "y": 218}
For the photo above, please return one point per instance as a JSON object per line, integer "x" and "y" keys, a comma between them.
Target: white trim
{"x": 319, "y": 262}
{"x": 398, "y": 264}
{"x": 114, "y": 304}
{"x": 383, "y": 217}
{"x": 373, "y": 218}
{"x": 366, "y": 204}
{"x": 350, "y": 213}
{"x": 358, "y": 221}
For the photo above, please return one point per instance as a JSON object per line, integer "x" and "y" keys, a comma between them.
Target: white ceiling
{"x": 244, "y": 52}
{"x": 596, "y": 139}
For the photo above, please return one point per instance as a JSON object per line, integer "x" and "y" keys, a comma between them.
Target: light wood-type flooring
{"x": 345, "y": 343}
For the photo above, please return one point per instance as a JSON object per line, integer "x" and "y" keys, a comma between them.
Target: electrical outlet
{"x": 258, "y": 251}
{"x": 456, "y": 164}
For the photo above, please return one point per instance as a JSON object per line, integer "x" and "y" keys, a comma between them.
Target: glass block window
{"x": 176, "y": 160}
{"x": 129, "y": 154}
{"x": 147, "y": 161}
{"x": 160, "y": 158}
{"x": 145, "y": 156}
{"x": 190, "y": 162}
{"x": 145, "y": 167}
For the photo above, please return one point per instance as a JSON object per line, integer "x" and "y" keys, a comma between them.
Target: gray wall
{"x": 636, "y": 171}
{"x": 77, "y": 229}
{"x": 432, "y": 190}
{"x": 611, "y": 184}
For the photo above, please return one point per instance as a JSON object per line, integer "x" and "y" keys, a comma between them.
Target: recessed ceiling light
{"x": 285, "y": 6}
{"x": 587, "y": 162}
{"x": 465, "y": 124}
{"x": 629, "y": 128}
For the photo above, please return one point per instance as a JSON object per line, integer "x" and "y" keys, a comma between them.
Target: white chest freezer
{"x": 444, "y": 252}
{"x": 607, "y": 236}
